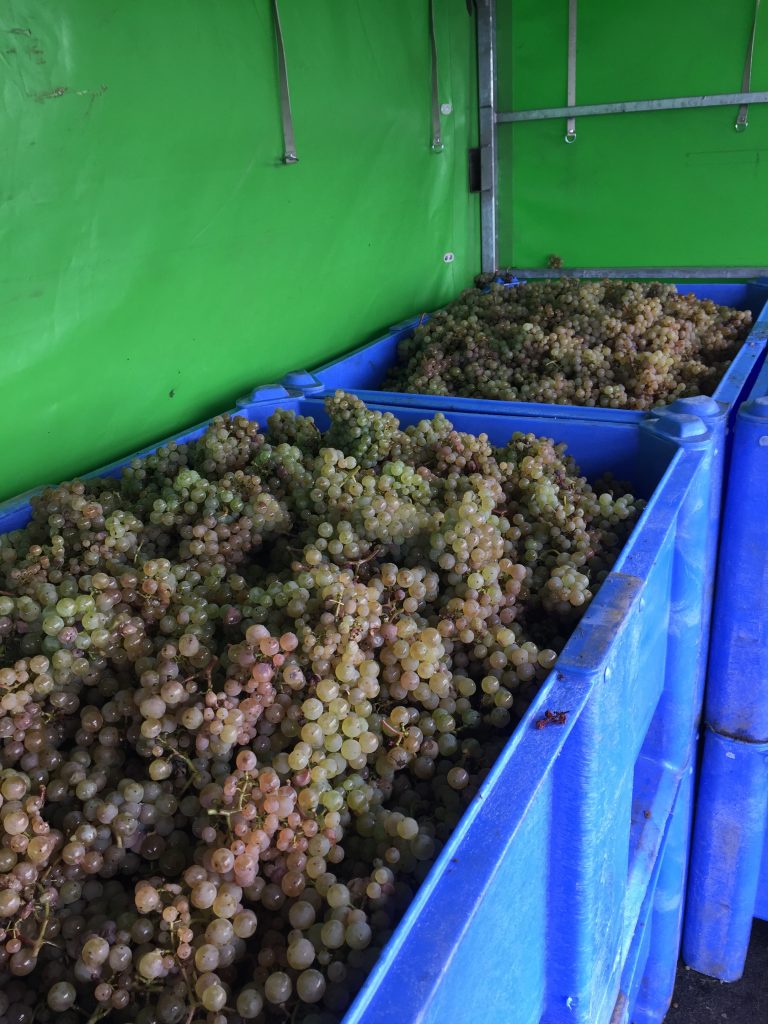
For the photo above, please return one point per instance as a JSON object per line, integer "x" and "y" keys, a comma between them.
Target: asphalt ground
{"x": 701, "y": 1000}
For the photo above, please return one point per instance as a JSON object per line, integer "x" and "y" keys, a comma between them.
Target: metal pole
{"x": 633, "y": 107}
{"x": 486, "y": 74}
{"x": 670, "y": 273}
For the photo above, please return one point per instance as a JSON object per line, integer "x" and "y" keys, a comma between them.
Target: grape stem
{"x": 98, "y": 1013}
{"x": 207, "y": 672}
{"x": 40, "y": 941}
{"x": 361, "y": 561}
{"x": 182, "y": 757}
{"x": 192, "y": 1011}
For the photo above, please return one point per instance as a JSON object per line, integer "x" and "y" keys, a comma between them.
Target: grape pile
{"x": 247, "y": 691}
{"x": 616, "y": 344}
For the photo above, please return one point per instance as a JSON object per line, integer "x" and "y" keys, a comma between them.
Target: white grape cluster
{"x": 615, "y": 344}
{"x": 246, "y": 693}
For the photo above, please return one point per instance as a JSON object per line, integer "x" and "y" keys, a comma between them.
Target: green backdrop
{"x": 667, "y": 188}
{"x": 158, "y": 260}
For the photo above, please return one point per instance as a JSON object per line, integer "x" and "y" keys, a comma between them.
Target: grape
{"x": 617, "y": 344}
{"x": 301, "y": 954}
{"x": 61, "y": 996}
{"x": 277, "y": 987}
{"x": 247, "y": 691}
{"x": 95, "y": 951}
{"x": 310, "y": 986}
{"x": 249, "y": 1003}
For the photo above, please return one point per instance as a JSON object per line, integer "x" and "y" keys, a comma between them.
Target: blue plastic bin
{"x": 530, "y": 912}
{"x": 729, "y": 863}
{"x": 365, "y": 369}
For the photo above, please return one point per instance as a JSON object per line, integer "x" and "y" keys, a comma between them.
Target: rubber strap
{"x": 289, "y": 142}
{"x": 742, "y": 119}
{"x": 437, "y": 138}
{"x": 573, "y": 11}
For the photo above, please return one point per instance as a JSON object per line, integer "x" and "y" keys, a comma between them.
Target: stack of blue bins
{"x": 559, "y": 897}
{"x": 729, "y": 863}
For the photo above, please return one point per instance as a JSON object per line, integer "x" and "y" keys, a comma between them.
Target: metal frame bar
{"x": 728, "y": 99}
{"x": 486, "y": 81}
{"x": 489, "y": 118}
{"x": 674, "y": 273}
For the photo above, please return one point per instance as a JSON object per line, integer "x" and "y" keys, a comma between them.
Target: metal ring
{"x": 570, "y": 137}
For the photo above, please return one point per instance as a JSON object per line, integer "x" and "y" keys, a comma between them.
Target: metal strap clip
{"x": 289, "y": 142}
{"x": 437, "y": 138}
{"x": 742, "y": 119}
{"x": 573, "y": 11}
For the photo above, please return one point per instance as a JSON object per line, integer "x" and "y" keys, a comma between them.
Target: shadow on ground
{"x": 702, "y": 1000}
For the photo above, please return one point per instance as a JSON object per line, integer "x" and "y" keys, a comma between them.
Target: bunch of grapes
{"x": 616, "y": 344}
{"x": 247, "y": 691}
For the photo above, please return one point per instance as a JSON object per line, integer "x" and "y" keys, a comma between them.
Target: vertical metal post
{"x": 486, "y": 74}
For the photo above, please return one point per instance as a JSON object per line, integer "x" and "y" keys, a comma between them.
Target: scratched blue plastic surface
{"x": 737, "y": 699}
{"x": 648, "y": 978}
{"x": 729, "y": 863}
{"x": 761, "y": 904}
{"x": 365, "y": 369}
{"x": 530, "y": 911}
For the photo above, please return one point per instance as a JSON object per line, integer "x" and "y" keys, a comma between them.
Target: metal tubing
{"x": 633, "y": 107}
{"x": 673, "y": 273}
{"x": 486, "y": 73}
